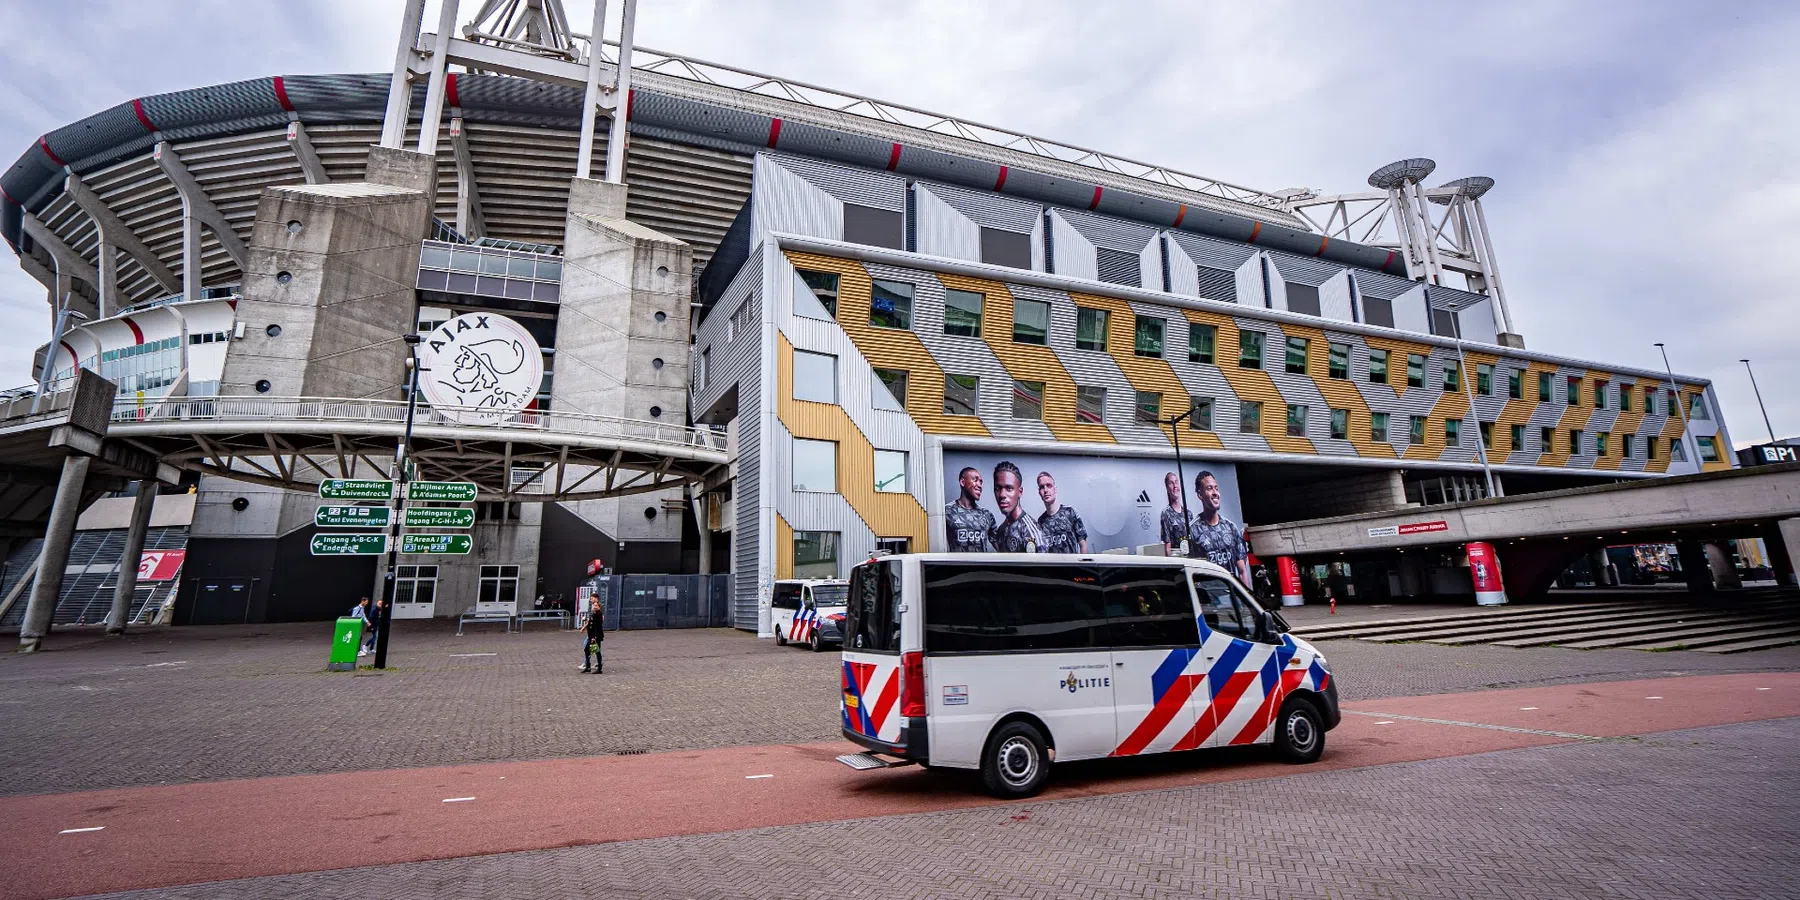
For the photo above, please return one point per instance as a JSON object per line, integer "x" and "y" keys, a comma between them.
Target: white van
{"x": 1009, "y": 662}
{"x": 808, "y": 611}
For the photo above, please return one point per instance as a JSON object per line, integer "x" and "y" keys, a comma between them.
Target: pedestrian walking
{"x": 593, "y": 627}
{"x": 363, "y": 611}
{"x": 374, "y": 624}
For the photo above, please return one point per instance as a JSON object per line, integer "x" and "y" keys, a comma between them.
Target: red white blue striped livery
{"x": 809, "y": 612}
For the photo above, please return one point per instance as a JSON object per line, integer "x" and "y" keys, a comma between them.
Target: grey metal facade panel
{"x": 1212, "y": 252}
{"x": 1071, "y": 253}
{"x": 338, "y": 98}
{"x": 810, "y": 140}
{"x": 1301, "y": 389}
{"x": 784, "y": 201}
{"x": 100, "y": 139}
{"x": 940, "y": 229}
{"x": 1301, "y": 270}
{"x": 1384, "y": 286}
{"x": 863, "y": 187}
{"x": 1110, "y": 233}
{"x": 1091, "y": 368}
{"x": 989, "y": 209}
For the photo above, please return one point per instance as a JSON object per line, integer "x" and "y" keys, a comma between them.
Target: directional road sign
{"x": 455, "y": 544}
{"x": 444, "y": 491}
{"x": 353, "y": 516}
{"x": 439, "y": 517}
{"x": 330, "y": 544}
{"x": 356, "y": 489}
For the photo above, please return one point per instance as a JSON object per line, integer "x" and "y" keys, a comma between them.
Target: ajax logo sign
{"x": 480, "y": 368}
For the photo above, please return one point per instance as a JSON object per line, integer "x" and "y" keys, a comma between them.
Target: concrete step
{"x": 1724, "y": 640}
{"x": 1761, "y": 644}
{"x": 1647, "y": 634}
{"x": 1527, "y": 625}
{"x": 1683, "y": 617}
{"x": 1360, "y": 629}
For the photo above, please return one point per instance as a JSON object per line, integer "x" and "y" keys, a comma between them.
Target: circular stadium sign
{"x": 480, "y": 368}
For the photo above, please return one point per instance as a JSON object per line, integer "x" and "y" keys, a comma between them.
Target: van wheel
{"x": 779, "y": 640}
{"x": 814, "y": 642}
{"x": 1015, "y": 763}
{"x": 1299, "y": 732}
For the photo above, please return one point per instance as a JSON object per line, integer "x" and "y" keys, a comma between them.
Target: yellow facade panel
{"x": 1248, "y": 384}
{"x": 1147, "y": 374}
{"x": 784, "y": 548}
{"x": 1339, "y": 393}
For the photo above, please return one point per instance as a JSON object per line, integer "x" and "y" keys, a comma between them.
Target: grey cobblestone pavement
{"x": 1710, "y": 813}
{"x": 200, "y": 704}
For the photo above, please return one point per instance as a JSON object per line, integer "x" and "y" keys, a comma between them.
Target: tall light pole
{"x": 1462, "y": 363}
{"x": 400, "y": 479}
{"x": 1759, "y": 402}
{"x": 1680, "y": 407}
{"x": 1187, "y": 520}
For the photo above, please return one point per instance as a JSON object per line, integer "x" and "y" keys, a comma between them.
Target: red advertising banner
{"x": 160, "y": 565}
{"x": 1424, "y": 527}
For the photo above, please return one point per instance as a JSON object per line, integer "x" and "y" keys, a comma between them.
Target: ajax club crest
{"x": 480, "y": 368}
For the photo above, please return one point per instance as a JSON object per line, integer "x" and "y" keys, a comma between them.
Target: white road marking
{"x": 82, "y": 830}
{"x": 1764, "y": 689}
{"x": 1513, "y": 728}
{"x": 1526, "y": 708}
{"x": 1652, "y": 698}
{"x": 457, "y": 799}
{"x": 1390, "y": 722}
{"x": 455, "y": 655}
{"x": 748, "y": 777}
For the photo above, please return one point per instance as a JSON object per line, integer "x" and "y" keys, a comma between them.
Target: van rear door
{"x": 870, "y": 701}
{"x": 1155, "y": 644}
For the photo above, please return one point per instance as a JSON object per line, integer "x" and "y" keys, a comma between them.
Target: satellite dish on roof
{"x": 1405, "y": 171}
{"x": 1471, "y": 187}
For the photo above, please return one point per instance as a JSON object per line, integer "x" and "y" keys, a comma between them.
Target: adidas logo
{"x": 1143, "y": 497}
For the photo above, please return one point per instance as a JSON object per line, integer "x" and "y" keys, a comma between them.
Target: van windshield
{"x": 830, "y": 594}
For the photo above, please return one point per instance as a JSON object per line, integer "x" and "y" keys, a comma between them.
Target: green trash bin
{"x": 344, "y": 645}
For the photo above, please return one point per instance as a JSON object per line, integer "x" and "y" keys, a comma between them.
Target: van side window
{"x": 1222, "y": 608}
{"x": 873, "y": 610}
{"x": 787, "y": 596}
{"x": 1148, "y": 606}
{"x": 989, "y": 608}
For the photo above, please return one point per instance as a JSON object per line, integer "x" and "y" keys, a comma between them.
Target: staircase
{"x": 87, "y": 589}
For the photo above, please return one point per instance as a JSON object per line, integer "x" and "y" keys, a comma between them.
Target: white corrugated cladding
{"x": 943, "y": 230}
{"x": 1213, "y": 264}
{"x": 785, "y": 202}
{"x": 733, "y": 334}
{"x": 851, "y": 185}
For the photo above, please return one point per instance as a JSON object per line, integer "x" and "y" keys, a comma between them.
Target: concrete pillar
{"x": 128, "y": 561}
{"x": 1601, "y": 564}
{"x": 1783, "y": 541}
{"x": 1287, "y": 572}
{"x": 1694, "y": 568}
{"x": 1484, "y": 571}
{"x": 60, "y": 534}
{"x": 1724, "y": 574}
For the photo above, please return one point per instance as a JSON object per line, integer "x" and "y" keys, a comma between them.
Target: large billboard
{"x": 1046, "y": 503}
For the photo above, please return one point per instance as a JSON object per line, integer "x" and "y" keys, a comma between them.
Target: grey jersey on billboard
{"x": 968, "y": 529}
{"x": 1063, "y": 532}
{"x": 1173, "y": 528}
{"x": 1013, "y": 535}
{"x": 1221, "y": 544}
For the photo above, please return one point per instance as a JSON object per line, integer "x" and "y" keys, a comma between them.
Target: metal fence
{"x": 663, "y": 601}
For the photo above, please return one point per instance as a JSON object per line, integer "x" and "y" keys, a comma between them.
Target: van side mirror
{"x": 1265, "y": 626}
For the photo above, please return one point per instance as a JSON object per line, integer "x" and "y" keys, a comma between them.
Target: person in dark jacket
{"x": 593, "y": 627}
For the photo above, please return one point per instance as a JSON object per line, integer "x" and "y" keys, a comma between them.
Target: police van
{"x": 1009, "y": 662}
{"x": 809, "y": 612}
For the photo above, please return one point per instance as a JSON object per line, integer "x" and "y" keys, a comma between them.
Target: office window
{"x": 495, "y": 584}
{"x": 1677, "y": 450}
{"x": 1599, "y": 395}
{"x": 1697, "y": 407}
{"x": 1090, "y": 329}
{"x": 1543, "y": 387}
{"x": 1672, "y": 404}
{"x": 1378, "y": 426}
{"x": 1296, "y": 420}
{"x": 1340, "y": 424}
{"x": 1484, "y": 380}
{"x": 1709, "y": 448}
{"x": 1090, "y": 404}
{"x": 824, "y": 286}
{"x": 1415, "y": 430}
{"x": 1518, "y": 437}
{"x": 1028, "y": 399}
{"x": 890, "y": 304}
{"x": 1250, "y": 416}
{"x": 890, "y": 471}
{"x": 815, "y": 377}
{"x": 1601, "y": 440}
{"x": 1547, "y": 439}
{"x": 960, "y": 394}
{"x": 1650, "y": 447}
{"x": 1627, "y": 444}
{"x": 874, "y": 227}
{"x": 1378, "y": 362}
{"x": 1296, "y": 355}
{"x": 1574, "y": 392}
{"x": 1625, "y": 398}
{"x": 1453, "y": 432}
{"x": 1452, "y": 377}
{"x": 1149, "y": 340}
{"x": 815, "y": 465}
{"x": 1487, "y": 434}
{"x": 962, "y": 313}
{"x": 1250, "y": 349}
{"x": 1200, "y": 413}
{"x": 700, "y": 369}
{"x": 1031, "y": 322}
{"x": 1574, "y": 442}
{"x": 1649, "y": 401}
{"x": 1415, "y": 370}
{"x": 1201, "y": 339}
{"x": 1005, "y": 248}
{"x": 1119, "y": 267}
{"x": 889, "y": 389}
{"x": 1340, "y": 361}
{"x": 815, "y": 554}
{"x": 1149, "y": 408}
{"x": 1515, "y": 384}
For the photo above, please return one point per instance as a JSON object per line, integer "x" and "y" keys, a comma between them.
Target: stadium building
{"x": 799, "y": 316}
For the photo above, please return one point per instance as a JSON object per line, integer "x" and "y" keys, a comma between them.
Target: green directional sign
{"x": 439, "y": 517}
{"x": 349, "y": 544}
{"x": 353, "y": 517}
{"x": 441, "y": 491}
{"x": 455, "y": 544}
{"x": 356, "y": 489}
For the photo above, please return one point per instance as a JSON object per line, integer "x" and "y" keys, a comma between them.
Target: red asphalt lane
{"x": 214, "y": 831}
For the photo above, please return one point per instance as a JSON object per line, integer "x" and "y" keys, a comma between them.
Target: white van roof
{"x": 1042, "y": 559}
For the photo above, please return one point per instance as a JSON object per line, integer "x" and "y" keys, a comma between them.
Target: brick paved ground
{"x": 198, "y": 704}
{"x": 1709, "y": 813}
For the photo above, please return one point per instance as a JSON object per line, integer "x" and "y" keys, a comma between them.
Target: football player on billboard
{"x": 1063, "y": 529}
{"x": 1174, "y": 519}
{"x": 1216, "y": 538}
{"x": 967, "y": 526}
{"x": 1016, "y": 533}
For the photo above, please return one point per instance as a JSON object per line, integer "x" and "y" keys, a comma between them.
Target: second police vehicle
{"x": 1009, "y": 662}
{"x": 809, "y": 612}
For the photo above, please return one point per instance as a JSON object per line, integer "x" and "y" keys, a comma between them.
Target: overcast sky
{"x": 1647, "y": 154}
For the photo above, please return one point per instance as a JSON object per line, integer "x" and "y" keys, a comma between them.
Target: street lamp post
{"x": 1462, "y": 363}
{"x": 1759, "y": 400}
{"x": 393, "y": 547}
{"x": 1680, "y": 408}
{"x": 1187, "y": 520}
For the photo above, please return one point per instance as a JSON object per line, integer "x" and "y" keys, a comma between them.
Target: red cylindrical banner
{"x": 1484, "y": 571}
{"x": 1289, "y": 573}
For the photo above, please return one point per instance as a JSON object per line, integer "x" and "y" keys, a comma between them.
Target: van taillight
{"x": 912, "y": 684}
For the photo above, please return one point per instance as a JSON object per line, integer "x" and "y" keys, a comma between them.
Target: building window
{"x": 1415, "y": 430}
{"x": 1028, "y": 399}
{"x": 962, "y": 313}
{"x": 874, "y": 227}
{"x": 1149, "y": 341}
{"x": 815, "y": 377}
{"x": 1340, "y": 424}
{"x": 1518, "y": 437}
{"x": 1296, "y": 355}
{"x": 1378, "y": 425}
{"x": 1090, "y": 404}
{"x": 1574, "y": 442}
{"x": 700, "y": 369}
{"x": 1340, "y": 361}
{"x": 1200, "y": 413}
{"x": 890, "y": 304}
{"x": 1484, "y": 380}
{"x": 1149, "y": 408}
{"x": 1650, "y": 447}
{"x": 1574, "y": 392}
{"x": 889, "y": 389}
{"x": 498, "y": 584}
{"x": 1487, "y": 434}
{"x": 1296, "y": 420}
{"x": 1250, "y": 349}
{"x": 1090, "y": 329}
{"x": 1709, "y": 448}
{"x": 1599, "y": 395}
{"x": 960, "y": 394}
{"x": 416, "y": 584}
{"x": 824, "y": 286}
{"x": 815, "y": 466}
{"x": 1697, "y": 407}
{"x": 1453, "y": 432}
{"x": 1452, "y": 377}
{"x": 1515, "y": 384}
{"x": 1201, "y": 340}
{"x": 1378, "y": 360}
{"x": 1677, "y": 450}
{"x": 1415, "y": 370}
{"x": 1627, "y": 444}
{"x": 1250, "y": 417}
{"x": 1031, "y": 322}
{"x": 1005, "y": 248}
{"x": 1543, "y": 387}
{"x": 1625, "y": 398}
{"x": 1649, "y": 401}
{"x": 890, "y": 471}
{"x": 815, "y": 554}
{"x": 1547, "y": 439}
{"x": 1600, "y": 442}
{"x": 1119, "y": 267}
